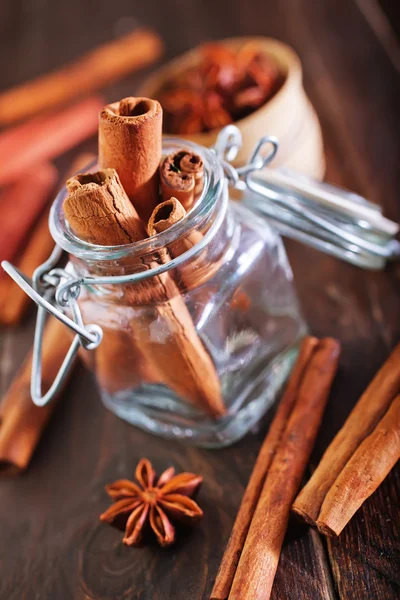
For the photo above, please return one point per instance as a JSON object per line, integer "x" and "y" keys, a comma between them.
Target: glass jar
{"x": 199, "y": 348}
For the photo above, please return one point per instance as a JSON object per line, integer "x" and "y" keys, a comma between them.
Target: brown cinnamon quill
{"x": 163, "y": 217}
{"x": 13, "y": 300}
{"x": 363, "y": 473}
{"x": 20, "y": 206}
{"x": 89, "y": 73}
{"x": 267, "y": 452}
{"x": 21, "y": 421}
{"x": 130, "y": 133}
{"x": 99, "y": 211}
{"x": 46, "y": 137}
{"x": 258, "y": 562}
{"x": 197, "y": 271}
{"x": 181, "y": 176}
{"x": 360, "y": 423}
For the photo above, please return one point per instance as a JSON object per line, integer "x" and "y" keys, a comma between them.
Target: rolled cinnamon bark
{"x": 130, "y": 134}
{"x": 96, "y": 69}
{"x": 259, "y": 560}
{"x": 46, "y": 137}
{"x": 360, "y": 423}
{"x": 13, "y": 300}
{"x": 21, "y": 421}
{"x": 181, "y": 176}
{"x": 190, "y": 162}
{"x": 20, "y": 206}
{"x": 163, "y": 217}
{"x": 99, "y": 211}
{"x": 363, "y": 473}
{"x": 200, "y": 269}
{"x": 267, "y": 452}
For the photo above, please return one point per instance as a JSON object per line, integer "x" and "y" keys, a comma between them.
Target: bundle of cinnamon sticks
{"x": 251, "y": 557}
{"x": 359, "y": 457}
{"x": 118, "y": 205}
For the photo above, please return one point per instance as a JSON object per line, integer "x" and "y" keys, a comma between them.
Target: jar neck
{"x": 206, "y": 218}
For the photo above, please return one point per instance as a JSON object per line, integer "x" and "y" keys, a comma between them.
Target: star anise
{"x": 153, "y": 503}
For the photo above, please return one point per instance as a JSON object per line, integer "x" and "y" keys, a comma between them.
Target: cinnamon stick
{"x": 267, "y": 452}
{"x": 360, "y": 423}
{"x": 21, "y": 204}
{"x": 21, "y": 421}
{"x": 181, "y": 176}
{"x": 130, "y": 134}
{"x": 199, "y": 269}
{"x": 363, "y": 473}
{"x": 99, "y": 211}
{"x": 190, "y": 162}
{"x": 163, "y": 217}
{"x": 98, "y": 68}
{"x": 13, "y": 300}
{"x": 259, "y": 559}
{"x": 44, "y": 138}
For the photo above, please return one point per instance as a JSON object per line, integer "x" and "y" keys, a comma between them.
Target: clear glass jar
{"x": 230, "y": 297}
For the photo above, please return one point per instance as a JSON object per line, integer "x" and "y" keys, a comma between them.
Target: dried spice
{"x": 224, "y": 86}
{"x": 182, "y": 176}
{"x": 153, "y": 503}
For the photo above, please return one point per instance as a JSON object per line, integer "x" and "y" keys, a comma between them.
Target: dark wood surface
{"x": 51, "y": 544}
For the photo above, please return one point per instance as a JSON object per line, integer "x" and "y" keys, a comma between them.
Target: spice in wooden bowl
{"x": 223, "y": 86}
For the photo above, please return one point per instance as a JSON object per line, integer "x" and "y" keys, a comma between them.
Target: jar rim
{"x": 195, "y": 218}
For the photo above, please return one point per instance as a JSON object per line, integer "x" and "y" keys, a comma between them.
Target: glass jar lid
{"x": 326, "y": 217}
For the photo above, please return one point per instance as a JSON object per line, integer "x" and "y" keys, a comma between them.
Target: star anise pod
{"x": 153, "y": 502}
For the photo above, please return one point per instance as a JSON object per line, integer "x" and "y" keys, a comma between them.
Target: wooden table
{"x": 51, "y": 543}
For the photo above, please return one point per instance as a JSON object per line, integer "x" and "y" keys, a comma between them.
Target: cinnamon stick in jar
{"x": 99, "y": 211}
{"x": 201, "y": 268}
{"x": 163, "y": 217}
{"x": 258, "y": 562}
{"x": 182, "y": 176}
{"x": 363, "y": 473}
{"x": 130, "y": 134}
{"x": 360, "y": 423}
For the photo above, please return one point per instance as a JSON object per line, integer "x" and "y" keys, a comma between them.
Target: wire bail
{"x": 42, "y": 290}
{"x": 323, "y": 216}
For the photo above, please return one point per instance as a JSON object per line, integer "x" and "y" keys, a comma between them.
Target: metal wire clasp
{"x": 42, "y": 290}
{"x": 323, "y": 216}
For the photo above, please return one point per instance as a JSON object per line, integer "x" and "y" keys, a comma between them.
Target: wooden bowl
{"x": 288, "y": 115}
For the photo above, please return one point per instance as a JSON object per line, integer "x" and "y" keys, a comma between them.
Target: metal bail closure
{"x": 42, "y": 290}
{"x": 331, "y": 219}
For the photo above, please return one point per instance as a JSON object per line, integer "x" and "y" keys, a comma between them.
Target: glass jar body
{"x": 200, "y": 351}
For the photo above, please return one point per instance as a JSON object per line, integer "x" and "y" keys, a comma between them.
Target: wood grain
{"x": 51, "y": 543}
